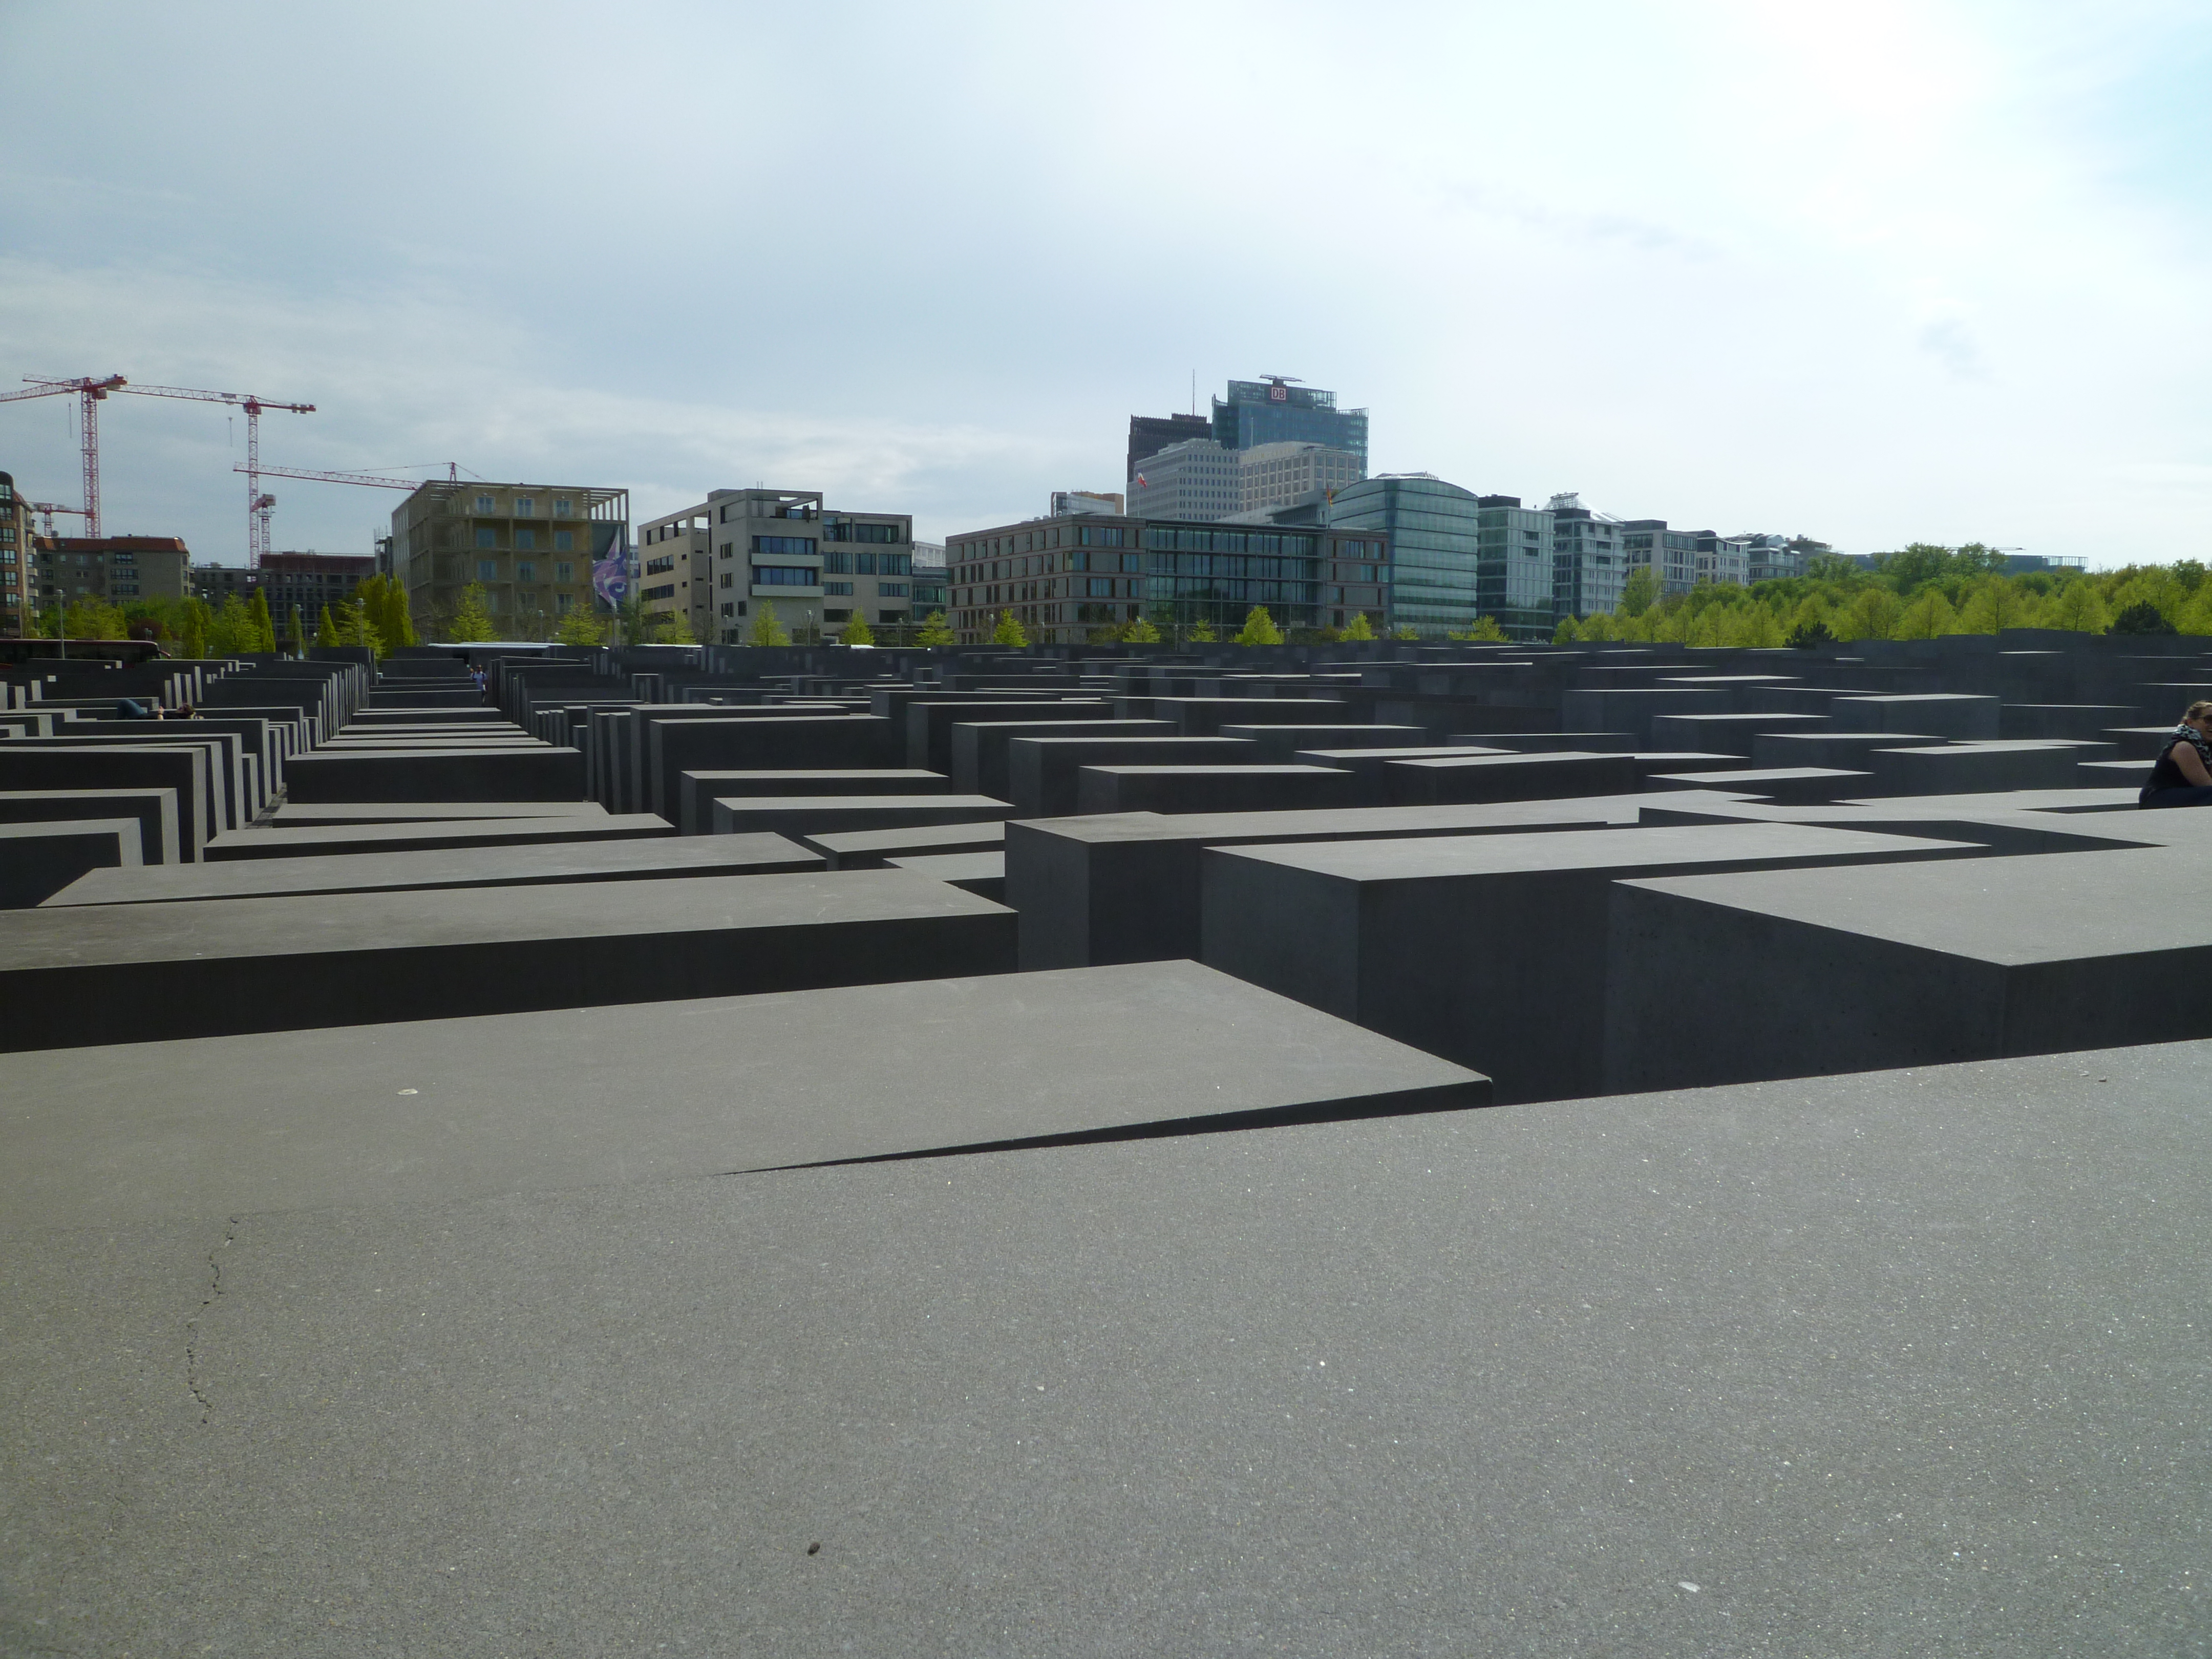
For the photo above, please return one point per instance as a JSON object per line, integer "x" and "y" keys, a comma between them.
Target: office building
{"x": 1513, "y": 573}
{"x": 1150, "y": 433}
{"x": 1062, "y": 577}
{"x": 929, "y": 591}
{"x": 820, "y": 567}
{"x": 115, "y": 568}
{"x": 1681, "y": 559}
{"x": 1588, "y": 567}
{"x": 1276, "y": 410}
{"x": 529, "y": 547}
{"x": 1065, "y": 501}
{"x": 1436, "y": 550}
{"x": 1196, "y": 481}
{"x": 18, "y": 542}
{"x": 309, "y": 580}
{"x": 1273, "y": 476}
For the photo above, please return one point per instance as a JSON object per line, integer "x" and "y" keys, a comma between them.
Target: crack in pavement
{"x": 192, "y": 1325}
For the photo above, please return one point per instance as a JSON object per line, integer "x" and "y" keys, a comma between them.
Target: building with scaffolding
{"x": 529, "y": 547}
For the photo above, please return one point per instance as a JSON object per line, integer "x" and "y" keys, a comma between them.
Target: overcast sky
{"x": 1872, "y": 272}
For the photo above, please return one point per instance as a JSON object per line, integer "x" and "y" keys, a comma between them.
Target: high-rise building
{"x": 1436, "y": 549}
{"x": 17, "y": 544}
{"x": 1272, "y": 476}
{"x": 1063, "y": 577}
{"x": 1150, "y": 433}
{"x": 1274, "y": 410}
{"x": 1587, "y": 561}
{"x": 820, "y": 567}
{"x": 1197, "y": 480}
{"x": 529, "y": 547}
{"x": 1513, "y": 575}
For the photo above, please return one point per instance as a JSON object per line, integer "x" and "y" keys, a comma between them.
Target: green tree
{"x": 1201, "y": 633}
{"x": 1260, "y": 627}
{"x": 765, "y": 628}
{"x": 581, "y": 625}
{"x": 326, "y": 630}
{"x": 1995, "y": 604}
{"x": 470, "y": 621}
{"x": 1407, "y": 632}
{"x": 354, "y": 627}
{"x": 193, "y": 634}
{"x": 676, "y": 630}
{"x": 234, "y": 630}
{"x": 1359, "y": 627}
{"x": 934, "y": 630}
{"x": 1594, "y": 628}
{"x": 1752, "y": 627}
{"x": 265, "y": 625}
{"x": 1811, "y": 635}
{"x": 2141, "y": 618}
{"x": 1638, "y": 593}
{"x": 857, "y": 631}
{"x": 2078, "y": 608}
{"x": 1565, "y": 633}
{"x": 1009, "y": 631}
{"x": 1929, "y": 616}
{"x": 297, "y": 644}
{"x": 1872, "y": 615}
{"x": 1140, "y": 631}
{"x": 385, "y": 601}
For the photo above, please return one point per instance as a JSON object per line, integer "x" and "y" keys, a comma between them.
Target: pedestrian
{"x": 2183, "y": 773}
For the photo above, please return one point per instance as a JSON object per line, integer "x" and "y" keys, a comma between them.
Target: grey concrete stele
{"x": 421, "y": 835}
{"x": 421, "y": 774}
{"x": 40, "y": 858}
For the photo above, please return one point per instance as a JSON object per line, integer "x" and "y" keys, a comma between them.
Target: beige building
{"x": 820, "y": 567}
{"x": 116, "y": 569}
{"x": 529, "y": 547}
{"x": 1271, "y": 476}
{"x": 16, "y": 546}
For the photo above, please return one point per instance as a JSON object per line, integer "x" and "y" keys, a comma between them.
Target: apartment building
{"x": 309, "y": 580}
{"x": 676, "y": 570}
{"x": 1062, "y": 577}
{"x": 529, "y": 547}
{"x": 113, "y": 569}
{"x": 17, "y": 544}
{"x": 820, "y": 567}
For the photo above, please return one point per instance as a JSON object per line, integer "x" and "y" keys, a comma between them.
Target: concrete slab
{"x": 1140, "y": 1397}
{"x": 316, "y": 815}
{"x": 1211, "y": 788}
{"x": 1964, "y": 767}
{"x": 180, "y": 770}
{"x": 1790, "y": 785}
{"x": 1848, "y": 750}
{"x": 1125, "y": 888}
{"x": 420, "y": 774}
{"x": 874, "y": 849}
{"x": 155, "y": 811}
{"x": 672, "y": 747}
{"x": 1948, "y": 714}
{"x": 1840, "y": 971}
{"x": 1480, "y": 945}
{"x": 1042, "y": 770}
{"x": 1450, "y": 779}
{"x": 1727, "y": 733}
{"x": 929, "y": 722}
{"x": 815, "y": 815}
{"x": 126, "y": 973}
{"x": 38, "y": 860}
{"x": 1276, "y": 744}
{"x": 983, "y": 874}
{"x": 658, "y": 857}
{"x": 697, "y": 791}
{"x": 979, "y": 749}
{"x": 423, "y": 836}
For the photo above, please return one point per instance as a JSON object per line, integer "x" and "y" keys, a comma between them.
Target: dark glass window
{"x": 785, "y": 575}
{"x": 801, "y": 545}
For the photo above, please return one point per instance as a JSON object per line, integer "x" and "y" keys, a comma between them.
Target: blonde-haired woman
{"x": 2183, "y": 775}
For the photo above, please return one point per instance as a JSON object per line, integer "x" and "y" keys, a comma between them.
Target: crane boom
{"x": 257, "y": 503}
{"x": 338, "y": 477}
{"x": 91, "y": 388}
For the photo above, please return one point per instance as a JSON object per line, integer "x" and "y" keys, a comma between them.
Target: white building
{"x": 1271, "y": 476}
{"x": 820, "y": 567}
{"x": 1196, "y": 479}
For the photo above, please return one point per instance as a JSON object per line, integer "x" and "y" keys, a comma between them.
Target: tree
{"x": 1409, "y": 632}
{"x": 1811, "y": 635}
{"x": 1929, "y": 616}
{"x": 1638, "y": 593}
{"x": 354, "y": 627}
{"x": 1752, "y": 627}
{"x": 676, "y": 630}
{"x": 1996, "y": 604}
{"x": 194, "y": 631}
{"x": 2140, "y": 618}
{"x": 1874, "y": 615}
{"x": 581, "y": 625}
{"x": 2078, "y": 608}
{"x": 1565, "y": 633}
{"x": 766, "y": 630}
{"x": 1140, "y": 632}
{"x": 234, "y": 630}
{"x": 1359, "y": 627}
{"x": 265, "y": 625}
{"x": 1594, "y": 628}
{"x": 299, "y": 637}
{"x": 385, "y": 599}
{"x": 1201, "y": 633}
{"x": 1260, "y": 627}
{"x": 326, "y": 631}
{"x": 471, "y": 621}
{"x": 857, "y": 631}
{"x": 1009, "y": 631}
{"x": 934, "y": 630}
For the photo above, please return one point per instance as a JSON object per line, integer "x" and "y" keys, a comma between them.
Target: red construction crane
{"x": 257, "y": 504}
{"x": 91, "y": 388}
{"x": 46, "y": 511}
{"x": 452, "y": 476}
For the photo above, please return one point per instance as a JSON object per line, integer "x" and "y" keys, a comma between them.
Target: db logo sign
{"x": 1279, "y": 394}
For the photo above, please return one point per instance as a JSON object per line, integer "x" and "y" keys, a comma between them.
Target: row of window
{"x": 867, "y": 564}
{"x": 842, "y": 530}
{"x": 526, "y": 570}
{"x": 525, "y": 506}
{"x": 564, "y": 540}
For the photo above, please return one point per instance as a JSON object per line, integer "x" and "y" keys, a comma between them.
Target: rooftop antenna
{"x": 1193, "y": 392}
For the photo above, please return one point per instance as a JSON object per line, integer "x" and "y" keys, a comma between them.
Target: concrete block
{"x": 801, "y": 815}
{"x": 160, "y": 840}
{"x": 1471, "y": 778}
{"x": 422, "y": 774}
{"x": 1480, "y": 945}
{"x": 1203, "y": 717}
{"x": 979, "y": 749}
{"x": 2060, "y": 719}
{"x": 1632, "y": 708}
{"x": 930, "y": 722}
{"x": 1789, "y": 974}
{"x": 1946, "y": 713}
{"x": 1961, "y": 767}
{"x": 1533, "y": 743}
{"x": 316, "y": 815}
{"x": 1370, "y": 767}
{"x": 1846, "y": 750}
{"x": 659, "y": 858}
{"x": 1126, "y": 888}
{"x": 983, "y": 874}
{"x": 874, "y": 849}
{"x": 697, "y": 791}
{"x": 39, "y": 860}
{"x": 1731, "y": 734}
{"x": 1211, "y": 788}
{"x": 336, "y": 838}
{"x": 1789, "y": 786}
{"x": 180, "y": 770}
{"x": 1042, "y": 770}
{"x": 1276, "y": 744}
{"x": 137, "y": 973}
{"x": 813, "y": 742}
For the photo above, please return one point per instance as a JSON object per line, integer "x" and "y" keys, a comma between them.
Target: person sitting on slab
{"x": 2183, "y": 775}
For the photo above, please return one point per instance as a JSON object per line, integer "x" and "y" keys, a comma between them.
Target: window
{"x": 729, "y": 579}
{"x": 563, "y": 571}
{"x": 524, "y": 507}
{"x": 665, "y": 561}
{"x": 898, "y": 564}
{"x": 665, "y": 591}
{"x": 561, "y": 509}
{"x": 487, "y": 570}
{"x": 836, "y": 616}
{"x": 526, "y": 570}
{"x": 866, "y": 564}
{"x": 840, "y": 588}
{"x": 485, "y": 504}
{"x": 784, "y": 575}
{"x": 526, "y": 539}
{"x": 838, "y": 561}
{"x": 1112, "y": 535}
{"x": 803, "y": 546}
{"x": 890, "y": 590}
{"x": 1129, "y": 561}
{"x": 486, "y": 536}
{"x": 876, "y": 533}
{"x": 562, "y": 602}
{"x": 728, "y": 548}
{"x": 1098, "y": 589}
{"x": 729, "y": 610}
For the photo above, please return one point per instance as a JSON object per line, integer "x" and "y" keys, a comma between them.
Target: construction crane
{"x": 46, "y": 511}
{"x": 452, "y": 476}
{"x": 257, "y": 504}
{"x": 91, "y": 388}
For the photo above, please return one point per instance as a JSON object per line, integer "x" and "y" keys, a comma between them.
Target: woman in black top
{"x": 2183, "y": 775}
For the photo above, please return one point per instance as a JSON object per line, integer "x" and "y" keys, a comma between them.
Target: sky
{"x": 1872, "y": 272}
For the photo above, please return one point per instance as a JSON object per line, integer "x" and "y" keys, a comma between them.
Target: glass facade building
{"x": 1513, "y": 582}
{"x": 1273, "y": 411}
{"x": 1436, "y": 547}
